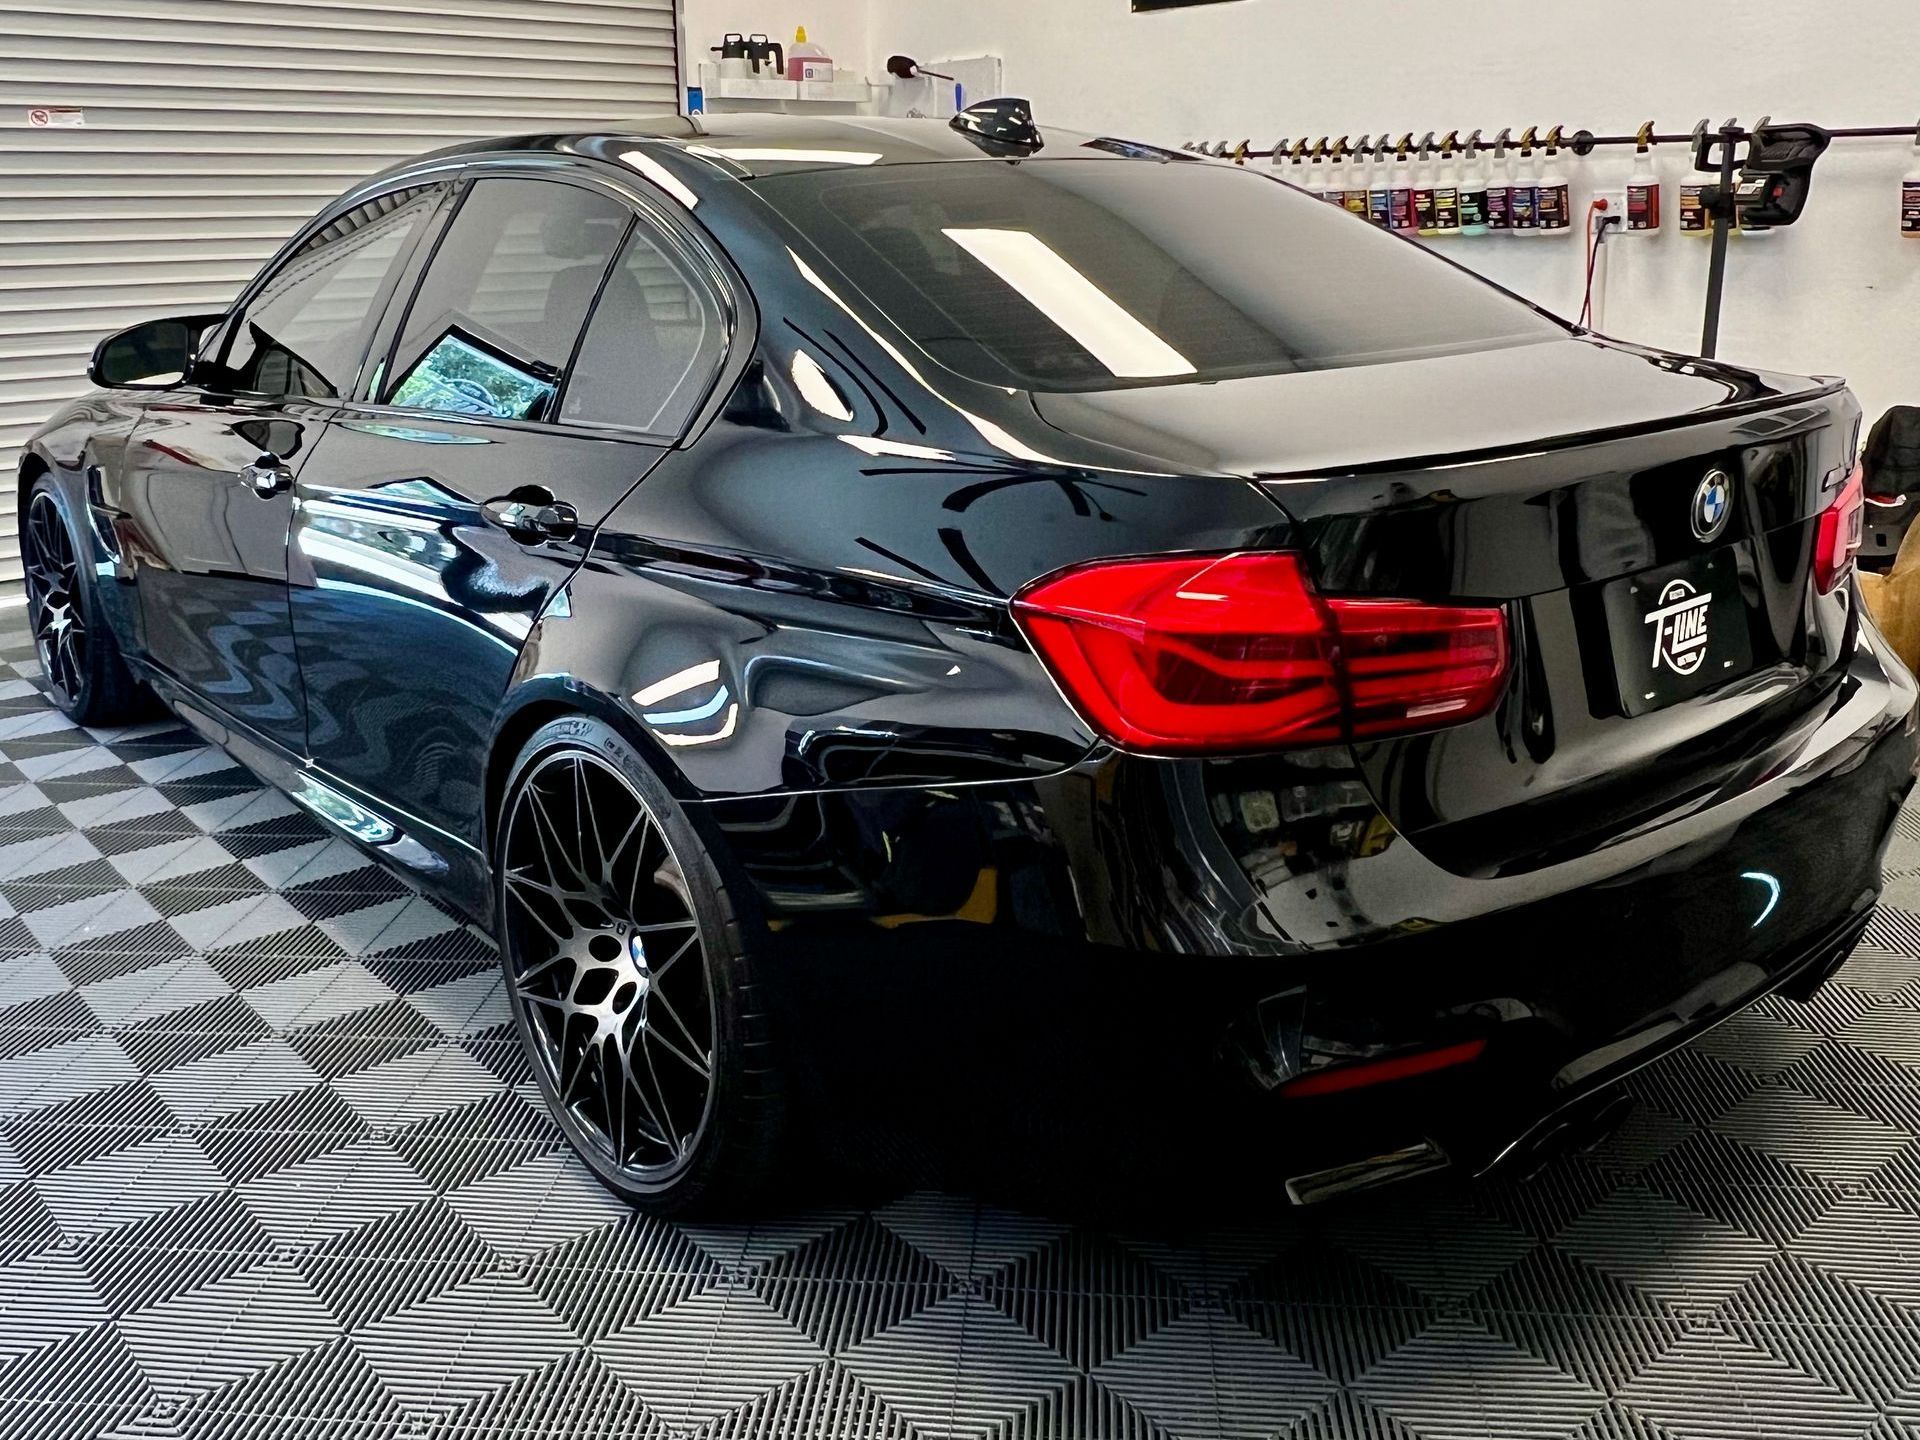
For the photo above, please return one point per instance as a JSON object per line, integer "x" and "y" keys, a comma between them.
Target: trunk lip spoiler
{"x": 1732, "y": 410}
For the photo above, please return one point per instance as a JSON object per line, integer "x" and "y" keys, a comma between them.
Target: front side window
{"x": 504, "y": 300}
{"x": 302, "y": 334}
{"x": 651, "y": 348}
{"x": 1074, "y": 274}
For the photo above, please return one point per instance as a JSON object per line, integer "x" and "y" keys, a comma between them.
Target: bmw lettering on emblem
{"x": 1712, "y": 503}
{"x": 1680, "y": 628}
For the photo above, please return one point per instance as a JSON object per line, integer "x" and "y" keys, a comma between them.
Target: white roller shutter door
{"x": 214, "y": 127}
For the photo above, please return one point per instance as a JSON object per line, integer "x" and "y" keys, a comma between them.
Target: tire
{"x": 86, "y": 676}
{"x": 594, "y": 949}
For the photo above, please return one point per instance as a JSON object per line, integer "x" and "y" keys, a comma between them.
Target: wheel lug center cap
{"x": 637, "y": 957}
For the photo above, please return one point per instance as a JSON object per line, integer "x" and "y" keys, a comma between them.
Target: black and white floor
{"x": 270, "y": 1165}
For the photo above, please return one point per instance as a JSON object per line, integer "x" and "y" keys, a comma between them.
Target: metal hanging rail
{"x": 1703, "y": 141}
{"x": 1580, "y": 142}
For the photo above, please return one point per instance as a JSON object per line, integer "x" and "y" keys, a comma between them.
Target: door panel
{"x": 418, "y": 562}
{"x": 210, "y": 552}
{"x": 210, "y": 475}
{"x": 410, "y": 607}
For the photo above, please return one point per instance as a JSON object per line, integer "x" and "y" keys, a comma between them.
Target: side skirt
{"x": 438, "y": 862}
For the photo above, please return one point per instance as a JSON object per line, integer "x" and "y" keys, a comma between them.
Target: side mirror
{"x": 151, "y": 355}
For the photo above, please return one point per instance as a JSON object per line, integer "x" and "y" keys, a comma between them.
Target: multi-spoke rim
{"x": 53, "y": 599}
{"x": 607, "y": 963}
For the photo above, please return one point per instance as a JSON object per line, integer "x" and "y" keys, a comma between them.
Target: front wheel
{"x": 630, "y": 987}
{"x": 86, "y": 677}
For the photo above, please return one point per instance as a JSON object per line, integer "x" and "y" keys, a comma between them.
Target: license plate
{"x": 1677, "y": 631}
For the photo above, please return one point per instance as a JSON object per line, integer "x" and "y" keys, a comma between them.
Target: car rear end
{"x": 1538, "y": 761}
{"x": 1551, "y": 735}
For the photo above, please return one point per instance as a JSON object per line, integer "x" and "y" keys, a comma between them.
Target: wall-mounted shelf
{"x": 772, "y": 94}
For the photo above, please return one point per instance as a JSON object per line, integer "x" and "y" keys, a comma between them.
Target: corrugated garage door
{"x": 214, "y": 127}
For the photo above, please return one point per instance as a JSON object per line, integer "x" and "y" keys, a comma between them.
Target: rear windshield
{"x": 1081, "y": 275}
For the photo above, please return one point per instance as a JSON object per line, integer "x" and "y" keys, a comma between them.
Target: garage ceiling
{"x": 214, "y": 127}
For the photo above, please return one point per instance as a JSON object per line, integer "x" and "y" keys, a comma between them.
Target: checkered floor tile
{"x": 270, "y": 1165}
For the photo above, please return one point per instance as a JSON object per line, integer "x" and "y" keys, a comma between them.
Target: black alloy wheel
{"x": 86, "y": 678}
{"x": 608, "y": 943}
{"x": 53, "y": 601}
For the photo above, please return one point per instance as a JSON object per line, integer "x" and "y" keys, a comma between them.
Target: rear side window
{"x": 651, "y": 347}
{"x": 303, "y": 332}
{"x": 503, "y": 302}
{"x": 1090, "y": 274}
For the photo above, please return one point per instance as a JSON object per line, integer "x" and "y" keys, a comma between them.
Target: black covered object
{"x": 1892, "y": 461}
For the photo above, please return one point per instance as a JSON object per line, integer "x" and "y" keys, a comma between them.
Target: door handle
{"x": 530, "y": 515}
{"x": 266, "y": 477}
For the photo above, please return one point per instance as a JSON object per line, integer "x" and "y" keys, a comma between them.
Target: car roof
{"x": 750, "y": 146}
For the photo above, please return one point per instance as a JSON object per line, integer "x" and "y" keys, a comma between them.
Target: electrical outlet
{"x": 1616, "y": 204}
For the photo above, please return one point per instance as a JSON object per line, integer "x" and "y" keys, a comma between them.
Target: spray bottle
{"x": 1552, "y": 204}
{"x": 1500, "y": 188}
{"x": 1279, "y": 157}
{"x": 1337, "y": 174}
{"x": 1423, "y": 183}
{"x": 1524, "y": 195}
{"x": 1359, "y": 161}
{"x": 1317, "y": 169}
{"x": 1380, "y": 187}
{"x": 1694, "y": 219}
{"x": 1910, "y": 197}
{"x": 1473, "y": 188}
{"x": 1297, "y": 173}
{"x": 1400, "y": 216}
{"x": 1693, "y": 208}
{"x": 1643, "y": 187}
{"x": 1446, "y": 189}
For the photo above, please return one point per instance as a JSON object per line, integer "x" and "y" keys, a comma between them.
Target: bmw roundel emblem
{"x": 1712, "y": 504}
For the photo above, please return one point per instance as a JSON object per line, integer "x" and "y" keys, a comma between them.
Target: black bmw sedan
{"x": 708, "y": 550}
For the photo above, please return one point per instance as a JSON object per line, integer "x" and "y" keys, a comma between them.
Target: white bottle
{"x": 1474, "y": 185}
{"x": 1380, "y": 187}
{"x": 1359, "y": 179}
{"x": 1336, "y": 192}
{"x": 1643, "y": 195}
{"x": 1425, "y": 175}
{"x": 1316, "y": 177}
{"x": 1552, "y": 200}
{"x": 1296, "y": 173}
{"x": 1446, "y": 193}
{"x": 1400, "y": 216}
{"x": 1523, "y": 196}
{"x": 1500, "y": 192}
{"x": 1694, "y": 219}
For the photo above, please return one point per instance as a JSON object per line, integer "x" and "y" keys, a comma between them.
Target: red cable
{"x": 1593, "y": 254}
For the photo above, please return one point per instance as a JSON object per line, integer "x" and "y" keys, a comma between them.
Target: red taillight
{"x": 1218, "y": 653}
{"x": 1842, "y": 527}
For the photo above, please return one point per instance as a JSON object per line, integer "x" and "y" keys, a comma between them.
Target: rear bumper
{"x": 1135, "y": 987}
{"x": 1535, "y": 1090}
{"x": 1574, "y": 991}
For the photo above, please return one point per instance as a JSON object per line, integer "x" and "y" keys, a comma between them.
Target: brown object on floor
{"x": 1893, "y": 599}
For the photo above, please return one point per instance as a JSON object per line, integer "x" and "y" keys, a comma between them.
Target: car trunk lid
{"x": 1563, "y": 481}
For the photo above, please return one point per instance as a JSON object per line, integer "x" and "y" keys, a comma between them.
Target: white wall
{"x": 1838, "y": 292}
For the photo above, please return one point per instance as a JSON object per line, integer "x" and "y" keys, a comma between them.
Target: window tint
{"x": 497, "y": 314}
{"x": 1084, "y": 274}
{"x": 303, "y": 333}
{"x": 650, "y": 348}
